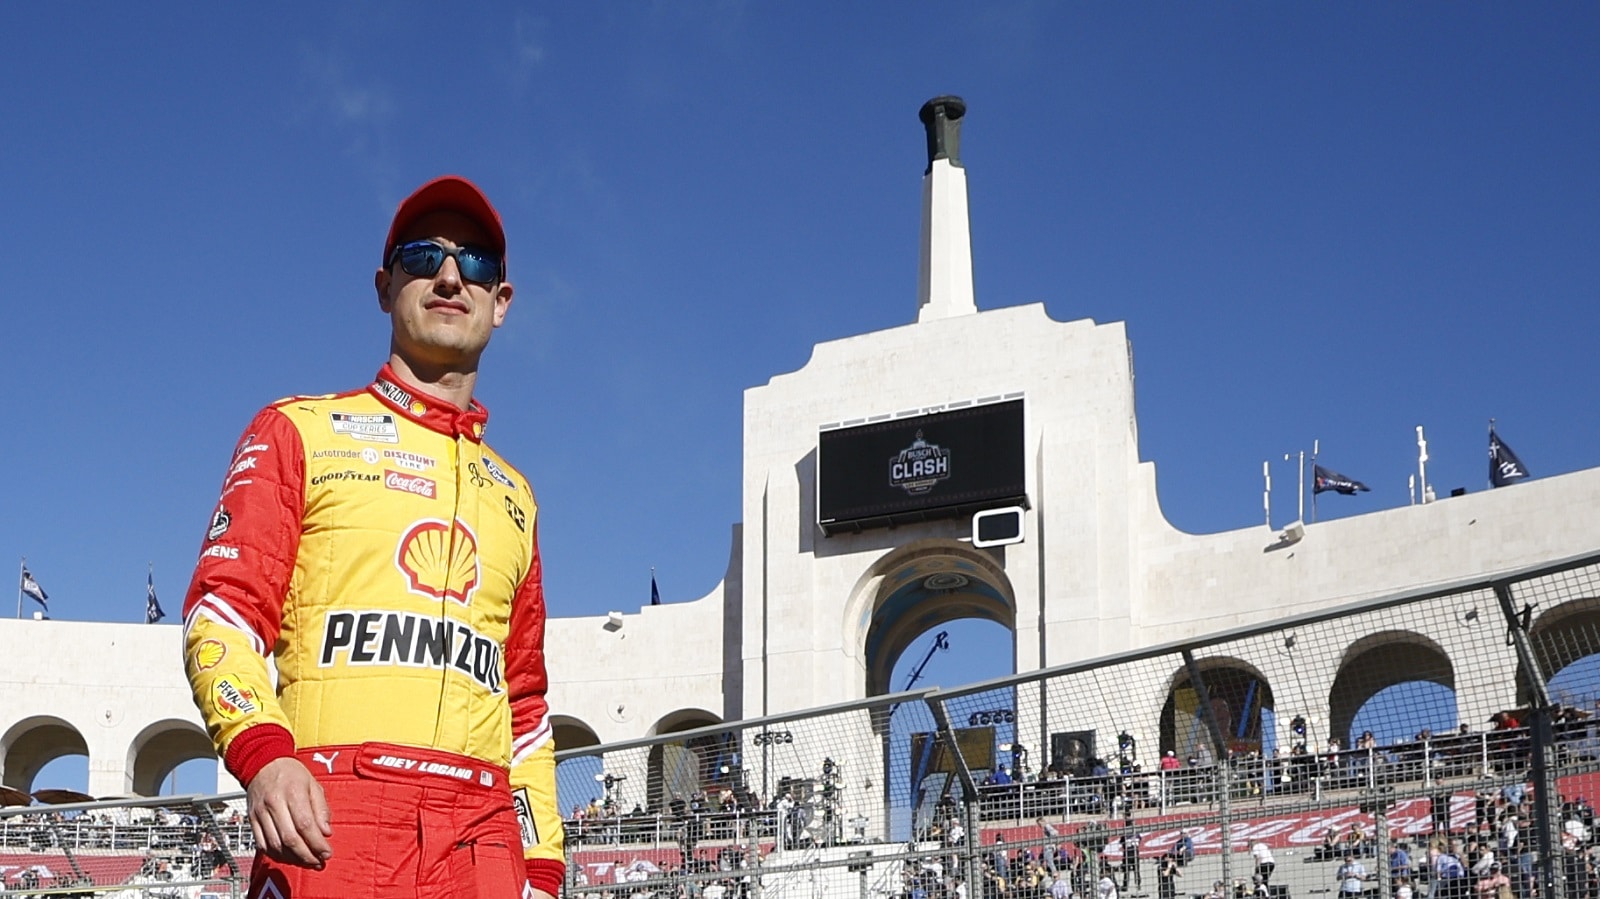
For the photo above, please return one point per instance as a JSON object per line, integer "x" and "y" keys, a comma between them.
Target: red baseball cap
{"x": 452, "y": 193}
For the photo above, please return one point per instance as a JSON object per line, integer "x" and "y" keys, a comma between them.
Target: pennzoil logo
{"x": 919, "y": 466}
{"x": 233, "y": 701}
{"x": 396, "y": 394}
{"x": 439, "y": 559}
{"x": 385, "y": 637}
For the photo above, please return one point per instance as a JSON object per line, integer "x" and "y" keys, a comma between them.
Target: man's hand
{"x": 289, "y": 815}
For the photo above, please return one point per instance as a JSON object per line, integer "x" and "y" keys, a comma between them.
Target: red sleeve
{"x": 234, "y": 606}
{"x": 533, "y": 762}
{"x": 526, "y": 678}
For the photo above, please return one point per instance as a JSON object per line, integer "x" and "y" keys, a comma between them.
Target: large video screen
{"x": 925, "y": 466}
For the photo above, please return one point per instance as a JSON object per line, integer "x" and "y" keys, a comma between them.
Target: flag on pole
{"x": 655, "y": 595}
{"x": 152, "y": 606}
{"x": 1504, "y": 466}
{"x": 31, "y": 588}
{"x": 1327, "y": 479}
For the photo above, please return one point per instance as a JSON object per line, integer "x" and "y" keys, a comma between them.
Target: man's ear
{"x": 502, "y": 302}
{"x": 380, "y": 283}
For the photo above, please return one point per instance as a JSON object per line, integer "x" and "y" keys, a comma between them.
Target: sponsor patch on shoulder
{"x": 378, "y": 427}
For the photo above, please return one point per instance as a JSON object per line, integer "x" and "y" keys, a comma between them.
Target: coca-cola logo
{"x": 406, "y": 483}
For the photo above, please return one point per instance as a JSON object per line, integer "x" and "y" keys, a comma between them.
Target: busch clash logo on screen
{"x": 919, "y": 466}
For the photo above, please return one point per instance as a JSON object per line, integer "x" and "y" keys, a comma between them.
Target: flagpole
{"x": 1266, "y": 493}
{"x": 21, "y": 567}
{"x": 1422, "y": 465}
{"x": 1316, "y": 447}
{"x": 1491, "y": 454}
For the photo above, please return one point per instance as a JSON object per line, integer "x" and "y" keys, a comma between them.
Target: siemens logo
{"x": 413, "y": 641}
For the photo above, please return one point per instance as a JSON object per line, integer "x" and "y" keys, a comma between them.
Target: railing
{"x": 1082, "y": 748}
{"x": 886, "y": 796}
{"x": 184, "y": 846}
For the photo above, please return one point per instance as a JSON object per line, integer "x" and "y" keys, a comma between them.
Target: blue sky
{"x": 1331, "y": 221}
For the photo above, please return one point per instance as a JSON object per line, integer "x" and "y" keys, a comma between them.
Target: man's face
{"x": 443, "y": 320}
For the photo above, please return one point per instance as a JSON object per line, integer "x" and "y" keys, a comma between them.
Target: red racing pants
{"x": 407, "y": 823}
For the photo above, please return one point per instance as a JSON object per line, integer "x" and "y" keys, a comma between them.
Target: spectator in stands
{"x": 1131, "y": 842}
{"x": 1352, "y": 877}
{"x": 1060, "y": 888}
{"x": 1365, "y": 755}
{"x": 1402, "y": 889}
{"x": 1184, "y": 847}
{"x": 1167, "y": 874}
{"x": 1329, "y": 848}
{"x": 1510, "y": 833}
{"x": 1265, "y": 864}
{"x": 1479, "y": 858}
{"x": 1449, "y": 875}
{"x": 1400, "y": 863}
{"x": 955, "y": 834}
{"x": 1106, "y": 888}
{"x": 1440, "y": 813}
{"x": 1355, "y": 841}
{"x": 1494, "y": 884}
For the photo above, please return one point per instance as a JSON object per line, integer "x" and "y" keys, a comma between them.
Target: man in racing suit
{"x": 387, "y": 558}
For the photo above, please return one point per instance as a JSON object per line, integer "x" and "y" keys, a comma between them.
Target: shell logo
{"x": 439, "y": 559}
{"x": 208, "y": 654}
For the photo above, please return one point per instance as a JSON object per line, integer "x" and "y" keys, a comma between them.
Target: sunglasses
{"x": 422, "y": 259}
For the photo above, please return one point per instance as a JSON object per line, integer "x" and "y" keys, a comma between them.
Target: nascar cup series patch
{"x": 232, "y": 698}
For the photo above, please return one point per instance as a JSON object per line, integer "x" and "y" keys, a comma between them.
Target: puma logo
{"x": 326, "y": 760}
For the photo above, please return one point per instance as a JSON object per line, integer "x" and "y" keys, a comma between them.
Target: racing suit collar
{"x": 429, "y": 411}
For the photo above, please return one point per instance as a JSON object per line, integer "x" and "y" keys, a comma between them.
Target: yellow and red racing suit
{"x": 388, "y": 560}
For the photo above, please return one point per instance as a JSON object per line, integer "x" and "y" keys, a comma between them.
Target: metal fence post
{"x": 971, "y": 849}
{"x": 1224, "y": 764}
{"x": 1549, "y": 867}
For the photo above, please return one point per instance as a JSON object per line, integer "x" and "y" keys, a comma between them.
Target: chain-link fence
{"x": 1438, "y": 745}
{"x": 182, "y": 847}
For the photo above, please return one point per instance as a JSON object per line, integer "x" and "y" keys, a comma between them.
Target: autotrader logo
{"x": 919, "y": 466}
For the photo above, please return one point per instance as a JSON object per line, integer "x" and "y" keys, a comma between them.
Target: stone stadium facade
{"x": 807, "y": 616}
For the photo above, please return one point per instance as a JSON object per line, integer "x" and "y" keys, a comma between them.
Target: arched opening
{"x": 581, "y": 779}
{"x": 1397, "y": 683}
{"x": 679, "y": 770}
{"x": 914, "y": 590}
{"x": 1566, "y": 646}
{"x": 1241, "y": 703}
{"x": 160, "y": 749}
{"x": 570, "y": 733}
{"x": 40, "y": 741}
{"x": 936, "y": 613}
